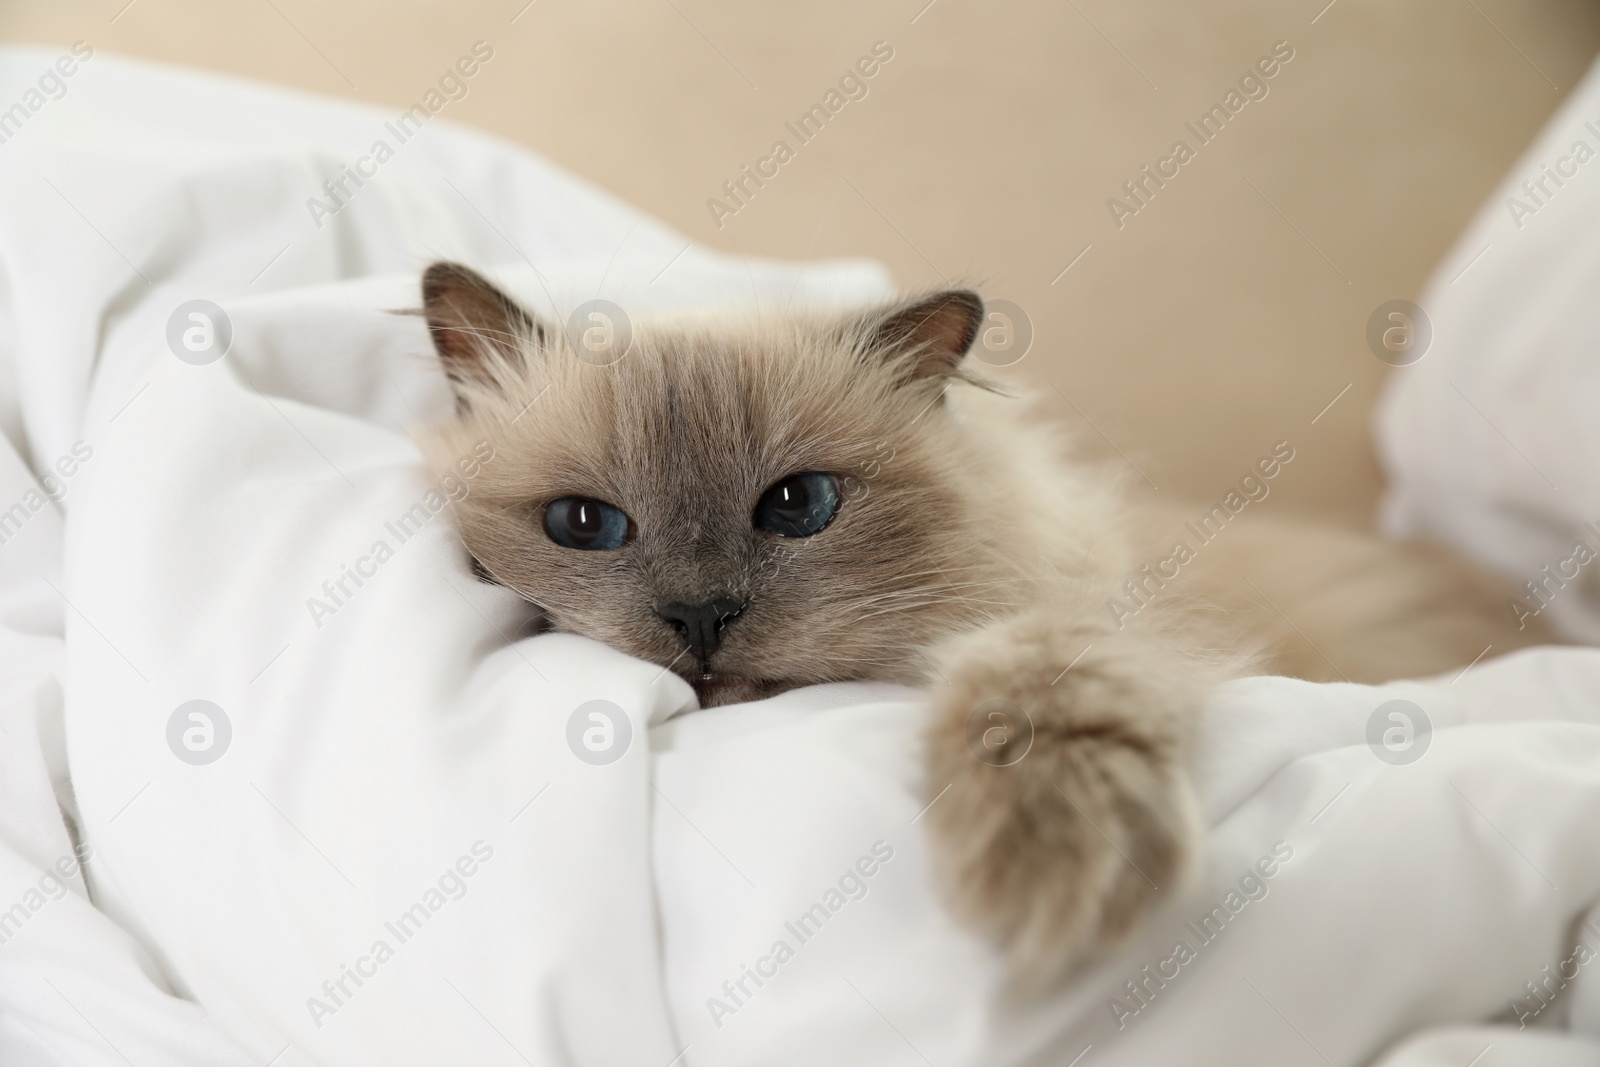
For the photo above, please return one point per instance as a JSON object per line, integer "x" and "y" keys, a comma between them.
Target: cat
{"x": 818, "y": 498}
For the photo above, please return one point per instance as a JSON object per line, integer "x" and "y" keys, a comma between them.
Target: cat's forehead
{"x": 733, "y": 388}
{"x": 724, "y": 407}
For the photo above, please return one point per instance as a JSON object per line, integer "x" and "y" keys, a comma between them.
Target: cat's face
{"x": 753, "y": 508}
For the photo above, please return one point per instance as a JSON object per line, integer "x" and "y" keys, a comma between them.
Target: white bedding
{"x": 398, "y": 748}
{"x": 1490, "y": 440}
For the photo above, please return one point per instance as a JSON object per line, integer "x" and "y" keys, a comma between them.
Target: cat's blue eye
{"x": 799, "y": 506}
{"x": 578, "y": 522}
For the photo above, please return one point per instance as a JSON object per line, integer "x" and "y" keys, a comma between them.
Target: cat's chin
{"x": 715, "y": 689}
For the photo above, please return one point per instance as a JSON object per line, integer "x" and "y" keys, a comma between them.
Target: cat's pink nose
{"x": 701, "y": 625}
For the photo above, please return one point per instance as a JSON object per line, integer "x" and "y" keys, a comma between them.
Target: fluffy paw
{"x": 1068, "y": 813}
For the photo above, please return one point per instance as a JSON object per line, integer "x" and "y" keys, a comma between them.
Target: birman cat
{"x": 764, "y": 504}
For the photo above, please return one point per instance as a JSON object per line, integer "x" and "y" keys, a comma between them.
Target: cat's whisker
{"x": 958, "y": 590}
{"x": 903, "y": 608}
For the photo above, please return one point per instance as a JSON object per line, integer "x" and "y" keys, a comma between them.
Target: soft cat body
{"x": 967, "y": 551}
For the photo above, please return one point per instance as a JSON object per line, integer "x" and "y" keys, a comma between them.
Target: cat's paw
{"x": 1067, "y": 813}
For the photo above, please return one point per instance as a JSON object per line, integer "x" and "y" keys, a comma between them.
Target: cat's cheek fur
{"x": 1057, "y": 855}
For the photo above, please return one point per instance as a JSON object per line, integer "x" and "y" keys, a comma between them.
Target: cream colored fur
{"x": 974, "y": 554}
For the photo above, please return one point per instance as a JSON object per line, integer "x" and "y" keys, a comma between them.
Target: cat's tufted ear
{"x": 926, "y": 338}
{"x": 480, "y": 333}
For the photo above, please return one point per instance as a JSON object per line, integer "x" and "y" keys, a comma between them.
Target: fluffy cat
{"x": 813, "y": 499}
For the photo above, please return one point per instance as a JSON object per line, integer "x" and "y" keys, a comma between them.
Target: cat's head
{"x": 756, "y": 505}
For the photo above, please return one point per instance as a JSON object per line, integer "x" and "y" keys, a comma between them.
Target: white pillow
{"x": 1491, "y": 440}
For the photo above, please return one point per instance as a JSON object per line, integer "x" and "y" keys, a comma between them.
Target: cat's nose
{"x": 702, "y": 624}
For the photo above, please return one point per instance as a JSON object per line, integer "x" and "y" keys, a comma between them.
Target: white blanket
{"x": 393, "y": 846}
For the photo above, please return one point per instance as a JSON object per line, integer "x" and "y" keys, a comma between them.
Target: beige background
{"x": 1221, "y": 319}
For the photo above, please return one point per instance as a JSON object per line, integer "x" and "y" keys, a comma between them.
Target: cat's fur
{"x": 973, "y": 555}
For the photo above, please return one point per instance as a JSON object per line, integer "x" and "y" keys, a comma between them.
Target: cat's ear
{"x": 927, "y": 338}
{"x": 479, "y": 332}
